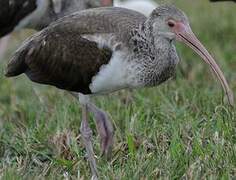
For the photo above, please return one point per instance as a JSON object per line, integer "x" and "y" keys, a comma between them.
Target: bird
{"x": 38, "y": 14}
{"x": 143, "y": 6}
{"x": 102, "y": 50}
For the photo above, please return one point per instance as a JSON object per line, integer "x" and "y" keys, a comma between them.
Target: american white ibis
{"x": 102, "y": 50}
{"x": 143, "y": 6}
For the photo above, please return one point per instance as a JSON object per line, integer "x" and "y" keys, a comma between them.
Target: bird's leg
{"x": 104, "y": 128}
{"x": 86, "y": 133}
{"x": 103, "y": 124}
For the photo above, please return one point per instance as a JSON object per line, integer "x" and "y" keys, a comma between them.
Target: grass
{"x": 180, "y": 130}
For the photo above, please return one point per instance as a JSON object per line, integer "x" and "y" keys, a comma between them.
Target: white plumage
{"x": 114, "y": 75}
{"x": 117, "y": 74}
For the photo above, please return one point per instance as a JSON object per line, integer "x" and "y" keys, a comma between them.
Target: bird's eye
{"x": 171, "y": 24}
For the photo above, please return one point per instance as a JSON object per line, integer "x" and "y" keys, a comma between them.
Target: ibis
{"x": 102, "y": 50}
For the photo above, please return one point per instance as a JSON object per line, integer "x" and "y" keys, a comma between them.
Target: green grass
{"x": 181, "y": 129}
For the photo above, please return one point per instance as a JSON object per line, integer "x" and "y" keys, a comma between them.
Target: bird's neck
{"x": 144, "y": 42}
{"x": 155, "y": 56}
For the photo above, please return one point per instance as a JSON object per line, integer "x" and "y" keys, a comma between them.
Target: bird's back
{"x": 101, "y": 20}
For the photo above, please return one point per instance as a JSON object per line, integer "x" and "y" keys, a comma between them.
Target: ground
{"x": 181, "y": 129}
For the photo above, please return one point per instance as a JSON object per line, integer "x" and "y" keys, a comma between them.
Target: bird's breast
{"x": 114, "y": 76}
{"x": 153, "y": 69}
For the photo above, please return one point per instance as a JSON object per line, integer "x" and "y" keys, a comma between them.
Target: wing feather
{"x": 66, "y": 61}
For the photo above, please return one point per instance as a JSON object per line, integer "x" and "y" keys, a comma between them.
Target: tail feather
{"x": 17, "y": 64}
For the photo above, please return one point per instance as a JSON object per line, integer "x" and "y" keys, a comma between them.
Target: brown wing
{"x": 65, "y": 60}
{"x": 12, "y": 11}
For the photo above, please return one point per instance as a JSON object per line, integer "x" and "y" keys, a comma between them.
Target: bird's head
{"x": 163, "y": 21}
{"x": 171, "y": 23}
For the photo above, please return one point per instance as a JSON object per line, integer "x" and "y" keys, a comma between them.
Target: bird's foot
{"x": 104, "y": 128}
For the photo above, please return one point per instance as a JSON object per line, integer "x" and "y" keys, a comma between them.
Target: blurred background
{"x": 181, "y": 129}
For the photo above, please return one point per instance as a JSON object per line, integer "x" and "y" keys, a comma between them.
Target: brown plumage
{"x": 70, "y": 66}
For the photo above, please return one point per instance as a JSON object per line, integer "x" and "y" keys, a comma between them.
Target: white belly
{"x": 118, "y": 73}
{"x": 113, "y": 76}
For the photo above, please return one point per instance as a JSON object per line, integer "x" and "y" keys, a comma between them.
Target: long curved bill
{"x": 185, "y": 34}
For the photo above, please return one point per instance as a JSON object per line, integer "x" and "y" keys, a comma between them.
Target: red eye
{"x": 171, "y": 24}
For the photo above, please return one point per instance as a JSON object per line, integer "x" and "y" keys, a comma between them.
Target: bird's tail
{"x": 17, "y": 64}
